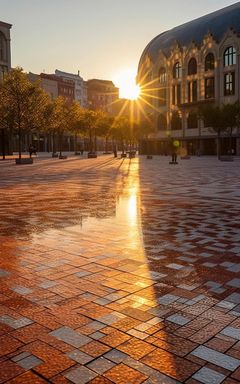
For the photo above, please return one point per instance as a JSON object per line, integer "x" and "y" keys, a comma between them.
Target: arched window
{"x": 192, "y": 66}
{"x": 176, "y": 121}
{"x": 209, "y": 62}
{"x": 192, "y": 121}
{"x": 162, "y": 75}
{"x": 3, "y": 47}
{"x": 162, "y": 122}
{"x": 177, "y": 70}
{"x": 229, "y": 56}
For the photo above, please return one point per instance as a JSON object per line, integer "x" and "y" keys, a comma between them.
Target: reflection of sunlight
{"x": 132, "y": 209}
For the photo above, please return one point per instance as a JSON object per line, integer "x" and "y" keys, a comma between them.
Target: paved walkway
{"x": 120, "y": 271}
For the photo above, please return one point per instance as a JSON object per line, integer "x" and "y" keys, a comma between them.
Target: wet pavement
{"x": 120, "y": 271}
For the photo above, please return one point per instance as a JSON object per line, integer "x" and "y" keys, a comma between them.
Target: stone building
{"x": 5, "y": 66}
{"x": 191, "y": 65}
{"x": 80, "y": 88}
{"x": 5, "y": 48}
{"x": 102, "y": 95}
{"x": 47, "y": 82}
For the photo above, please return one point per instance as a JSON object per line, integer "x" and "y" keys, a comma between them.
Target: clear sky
{"x": 98, "y": 37}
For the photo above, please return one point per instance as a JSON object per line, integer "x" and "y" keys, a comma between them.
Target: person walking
{"x": 30, "y": 150}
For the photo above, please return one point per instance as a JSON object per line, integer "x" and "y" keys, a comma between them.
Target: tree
{"x": 90, "y": 119}
{"x": 22, "y": 104}
{"x": 105, "y": 127}
{"x": 213, "y": 116}
{"x": 144, "y": 128}
{"x": 230, "y": 116}
{"x": 59, "y": 119}
{"x": 76, "y": 121}
{"x": 121, "y": 131}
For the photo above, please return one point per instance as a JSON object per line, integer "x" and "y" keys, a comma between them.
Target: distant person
{"x": 35, "y": 150}
{"x": 30, "y": 150}
{"x": 115, "y": 152}
{"x": 174, "y": 156}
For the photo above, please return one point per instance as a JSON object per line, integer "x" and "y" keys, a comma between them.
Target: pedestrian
{"x": 35, "y": 150}
{"x": 174, "y": 156}
{"x": 30, "y": 150}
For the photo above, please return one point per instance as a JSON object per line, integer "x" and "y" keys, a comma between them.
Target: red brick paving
{"x": 124, "y": 252}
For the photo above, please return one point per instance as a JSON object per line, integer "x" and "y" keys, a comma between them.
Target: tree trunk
{"x": 218, "y": 145}
{"x": 106, "y": 144}
{"x": 75, "y": 143}
{"x": 90, "y": 141}
{"x": 19, "y": 141}
{"x": 95, "y": 141}
{"x": 53, "y": 144}
{"x": 3, "y": 144}
{"x": 230, "y": 152}
{"x": 60, "y": 144}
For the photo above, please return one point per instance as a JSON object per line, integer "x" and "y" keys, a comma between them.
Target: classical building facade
{"x": 5, "y": 66}
{"x": 191, "y": 65}
{"x": 5, "y": 48}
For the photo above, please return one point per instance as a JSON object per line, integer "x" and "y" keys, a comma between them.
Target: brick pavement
{"x": 120, "y": 271}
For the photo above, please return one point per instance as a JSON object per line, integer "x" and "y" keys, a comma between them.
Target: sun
{"x": 126, "y": 82}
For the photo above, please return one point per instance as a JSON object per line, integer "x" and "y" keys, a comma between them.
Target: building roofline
{"x": 3, "y": 24}
{"x": 216, "y": 23}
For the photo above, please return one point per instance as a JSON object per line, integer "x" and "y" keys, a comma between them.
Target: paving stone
{"x": 168, "y": 299}
{"x": 48, "y": 284}
{"x": 231, "y": 332}
{"x": 22, "y": 290}
{"x": 217, "y": 358}
{"x": 15, "y": 323}
{"x": 208, "y": 376}
{"x": 29, "y": 362}
{"x": 91, "y": 273}
{"x": 234, "y": 283}
{"x": 226, "y": 304}
{"x": 234, "y": 298}
{"x": 79, "y": 357}
{"x": 71, "y": 337}
{"x": 20, "y": 356}
{"x": 80, "y": 375}
{"x": 101, "y": 365}
{"x": 175, "y": 266}
{"x": 116, "y": 356}
{"x": 3, "y": 273}
{"x": 178, "y": 319}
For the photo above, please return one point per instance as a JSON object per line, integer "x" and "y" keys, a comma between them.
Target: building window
{"x": 162, "y": 96}
{"x": 229, "y": 84}
{"x": 176, "y": 121}
{"x": 3, "y": 71}
{"x": 176, "y": 94}
{"x": 209, "y": 62}
{"x": 209, "y": 88}
{"x": 162, "y": 75}
{"x": 229, "y": 56}
{"x": 3, "y": 47}
{"x": 192, "y": 121}
{"x": 192, "y": 66}
{"x": 177, "y": 71}
{"x": 162, "y": 122}
{"x": 192, "y": 91}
